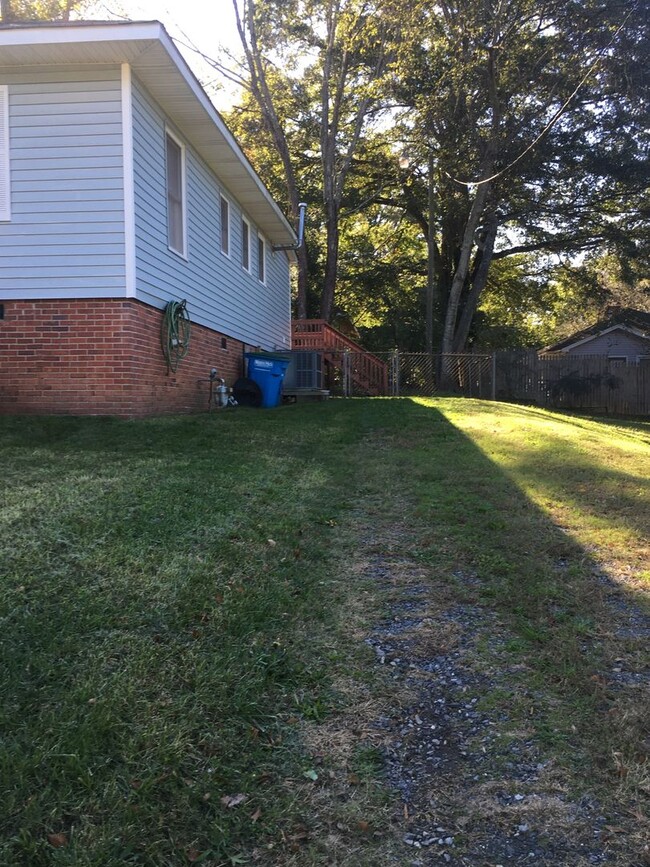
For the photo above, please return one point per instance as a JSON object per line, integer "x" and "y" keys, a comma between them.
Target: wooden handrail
{"x": 370, "y": 372}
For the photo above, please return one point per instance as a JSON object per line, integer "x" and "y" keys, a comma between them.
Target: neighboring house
{"x": 623, "y": 336}
{"x": 121, "y": 189}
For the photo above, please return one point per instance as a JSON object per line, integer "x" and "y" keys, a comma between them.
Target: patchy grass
{"x": 182, "y": 617}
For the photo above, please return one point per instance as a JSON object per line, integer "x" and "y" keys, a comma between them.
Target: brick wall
{"x": 103, "y": 357}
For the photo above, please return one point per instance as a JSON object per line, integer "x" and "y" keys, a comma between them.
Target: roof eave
{"x": 156, "y": 61}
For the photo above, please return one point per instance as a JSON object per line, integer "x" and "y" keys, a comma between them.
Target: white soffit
{"x": 165, "y": 74}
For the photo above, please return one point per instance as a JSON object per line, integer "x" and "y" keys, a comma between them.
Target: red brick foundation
{"x": 103, "y": 357}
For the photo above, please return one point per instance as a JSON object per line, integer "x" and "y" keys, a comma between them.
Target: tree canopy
{"x": 434, "y": 142}
{"x": 15, "y": 11}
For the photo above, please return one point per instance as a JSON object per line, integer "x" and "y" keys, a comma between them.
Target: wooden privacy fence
{"x": 589, "y": 383}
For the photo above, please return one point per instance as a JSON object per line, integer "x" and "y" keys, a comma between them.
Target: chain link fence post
{"x": 394, "y": 379}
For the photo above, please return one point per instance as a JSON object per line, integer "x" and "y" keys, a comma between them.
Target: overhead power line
{"x": 558, "y": 114}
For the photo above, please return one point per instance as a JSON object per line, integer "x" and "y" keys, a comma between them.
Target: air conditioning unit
{"x": 304, "y": 371}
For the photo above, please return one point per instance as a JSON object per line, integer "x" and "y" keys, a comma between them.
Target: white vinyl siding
{"x": 617, "y": 343}
{"x": 219, "y": 293}
{"x": 5, "y": 172}
{"x": 175, "y": 165}
{"x": 66, "y": 234}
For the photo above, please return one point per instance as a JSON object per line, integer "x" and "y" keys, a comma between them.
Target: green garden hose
{"x": 175, "y": 333}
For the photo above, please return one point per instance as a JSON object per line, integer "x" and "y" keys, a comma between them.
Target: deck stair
{"x": 368, "y": 373}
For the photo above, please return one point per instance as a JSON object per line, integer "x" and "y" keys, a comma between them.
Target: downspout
{"x": 302, "y": 208}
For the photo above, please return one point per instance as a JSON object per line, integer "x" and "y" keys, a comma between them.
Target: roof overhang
{"x": 158, "y": 64}
{"x": 566, "y": 346}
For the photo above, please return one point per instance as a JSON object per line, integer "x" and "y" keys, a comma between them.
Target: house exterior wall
{"x": 618, "y": 342}
{"x": 103, "y": 357}
{"x": 66, "y": 233}
{"x": 79, "y": 333}
{"x": 219, "y": 292}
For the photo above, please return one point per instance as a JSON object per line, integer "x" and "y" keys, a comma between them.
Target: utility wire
{"x": 555, "y": 117}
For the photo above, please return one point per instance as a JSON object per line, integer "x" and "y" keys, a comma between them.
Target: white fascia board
{"x": 24, "y": 35}
{"x": 591, "y": 337}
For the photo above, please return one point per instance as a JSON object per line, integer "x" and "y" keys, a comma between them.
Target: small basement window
{"x": 617, "y": 360}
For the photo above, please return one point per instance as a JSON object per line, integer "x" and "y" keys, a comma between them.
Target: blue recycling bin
{"x": 268, "y": 371}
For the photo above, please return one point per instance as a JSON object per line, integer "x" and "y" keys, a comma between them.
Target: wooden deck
{"x": 369, "y": 373}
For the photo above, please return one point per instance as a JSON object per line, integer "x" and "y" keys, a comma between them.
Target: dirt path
{"x": 468, "y": 783}
{"x": 472, "y": 787}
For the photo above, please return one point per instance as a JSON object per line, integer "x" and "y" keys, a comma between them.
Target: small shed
{"x": 623, "y": 336}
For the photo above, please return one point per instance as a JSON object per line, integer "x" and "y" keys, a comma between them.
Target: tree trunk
{"x": 331, "y": 261}
{"x": 301, "y": 301}
{"x": 6, "y": 12}
{"x": 431, "y": 263}
{"x": 264, "y": 98}
{"x": 479, "y": 280}
{"x": 462, "y": 269}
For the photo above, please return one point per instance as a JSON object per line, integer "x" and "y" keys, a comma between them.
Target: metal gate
{"x": 412, "y": 374}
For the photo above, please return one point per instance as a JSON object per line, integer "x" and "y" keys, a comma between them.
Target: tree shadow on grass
{"x": 578, "y": 632}
{"x": 539, "y": 573}
{"x": 154, "y": 571}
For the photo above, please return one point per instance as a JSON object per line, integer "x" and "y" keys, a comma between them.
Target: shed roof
{"x": 636, "y": 321}
{"x": 156, "y": 61}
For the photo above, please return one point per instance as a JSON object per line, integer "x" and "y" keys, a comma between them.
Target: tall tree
{"x": 514, "y": 105}
{"x": 333, "y": 54}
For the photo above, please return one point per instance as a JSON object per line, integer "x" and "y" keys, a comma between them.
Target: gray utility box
{"x": 304, "y": 371}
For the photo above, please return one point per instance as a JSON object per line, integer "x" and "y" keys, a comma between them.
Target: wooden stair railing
{"x": 368, "y": 372}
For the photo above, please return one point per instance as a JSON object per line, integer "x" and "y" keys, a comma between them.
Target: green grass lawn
{"x": 173, "y": 604}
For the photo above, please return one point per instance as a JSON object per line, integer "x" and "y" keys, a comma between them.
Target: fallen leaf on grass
{"x": 233, "y": 800}
{"x": 271, "y": 543}
{"x": 57, "y": 840}
{"x": 193, "y": 855}
{"x": 256, "y": 815}
{"x": 311, "y": 775}
{"x": 363, "y": 826}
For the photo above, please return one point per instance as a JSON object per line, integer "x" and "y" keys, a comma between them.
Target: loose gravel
{"x": 474, "y": 787}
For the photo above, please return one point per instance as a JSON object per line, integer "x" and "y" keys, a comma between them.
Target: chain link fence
{"x": 562, "y": 382}
{"x": 410, "y": 374}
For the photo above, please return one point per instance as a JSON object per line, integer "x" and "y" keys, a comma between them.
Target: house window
{"x": 617, "y": 360}
{"x": 225, "y": 226}
{"x": 5, "y": 186}
{"x": 261, "y": 259}
{"x": 245, "y": 244}
{"x": 175, "y": 195}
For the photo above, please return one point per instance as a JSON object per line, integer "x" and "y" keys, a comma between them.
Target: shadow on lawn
{"x": 147, "y": 639}
{"x": 568, "y": 607}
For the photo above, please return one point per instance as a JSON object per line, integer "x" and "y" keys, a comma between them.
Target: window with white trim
{"x": 617, "y": 360}
{"x": 5, "y": 177}
{"x": 225, "y": 226}
{"x": 245, "y": 244}
{"x": 261, "y": 259}
{"x": 176, "y": 237}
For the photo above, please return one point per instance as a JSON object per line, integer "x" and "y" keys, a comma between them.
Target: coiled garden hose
{"x": 175, "y": 334}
